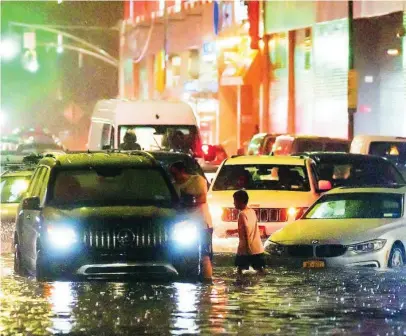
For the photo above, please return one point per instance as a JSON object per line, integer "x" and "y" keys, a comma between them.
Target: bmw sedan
{"x": 345, "y": 227}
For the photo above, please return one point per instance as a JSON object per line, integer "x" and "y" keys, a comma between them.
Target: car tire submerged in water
{"x": 19, "y": 267}
{"x": 396, "y": 256}
{"x": 43, "y": 271}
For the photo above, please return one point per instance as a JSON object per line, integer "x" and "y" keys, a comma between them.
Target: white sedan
{"x": 346, "y": 227}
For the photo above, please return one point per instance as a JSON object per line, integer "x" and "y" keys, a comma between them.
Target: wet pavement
{"x": 285, "y": 302}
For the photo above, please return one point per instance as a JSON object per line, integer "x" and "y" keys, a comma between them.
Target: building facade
{"x": 309, "y": 55}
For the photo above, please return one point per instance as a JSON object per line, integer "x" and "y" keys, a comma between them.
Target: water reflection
{"x": 60, "y": 296}
{"x": 186, "y": 297}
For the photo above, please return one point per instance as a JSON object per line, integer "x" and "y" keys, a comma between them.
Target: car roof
{"x": 134, "y": 158}
{"x": 170, "y": 156}
{"x": 266, "y": 159}
{"x": 340, "y": 155}
{"x": 393, "y": 189}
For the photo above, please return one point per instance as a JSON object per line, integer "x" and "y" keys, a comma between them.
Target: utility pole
{"x": 352, "y": 75}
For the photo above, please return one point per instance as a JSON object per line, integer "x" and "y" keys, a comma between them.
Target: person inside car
{"x": 196, "y": 186}
{"x": 130, "y": 141}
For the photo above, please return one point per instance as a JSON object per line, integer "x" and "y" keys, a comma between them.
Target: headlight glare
{"x": 61, "y": 236}
{"x": 185, "y": 233}
{"x": 368, "y": 246}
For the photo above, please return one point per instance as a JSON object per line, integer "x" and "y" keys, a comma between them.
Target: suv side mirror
{"x": 324, "y": 186}
{"x": 31, "y": 203}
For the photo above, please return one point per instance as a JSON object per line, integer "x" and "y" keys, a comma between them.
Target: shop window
{"x": 193, "y": 66}
{"x": 173, "y": 71}
{"x": 308, "y": 49}
{"x": 278, "y": 50}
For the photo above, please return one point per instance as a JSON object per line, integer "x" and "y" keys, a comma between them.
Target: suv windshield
{"x": 12, "y": 188}
{"x": 110, "y": 186}
{"x": 357, "y": 205}
{"x": 262, "y": 177}
{"x": 358, "y": 172}
{"x": 167, "y": 137}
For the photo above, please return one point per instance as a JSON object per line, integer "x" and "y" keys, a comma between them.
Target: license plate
{"x": 314, "y": 264}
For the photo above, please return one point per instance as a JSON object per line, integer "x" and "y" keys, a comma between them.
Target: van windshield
{"x": 180, "y": 138}
{"x": 393, "y": 151}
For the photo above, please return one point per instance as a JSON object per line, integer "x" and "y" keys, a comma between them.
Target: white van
{"x": 155, "y": 124}
{"x": 390, "y": 147}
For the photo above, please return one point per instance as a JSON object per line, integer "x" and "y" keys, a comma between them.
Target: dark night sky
{"x": 31, "y": 99}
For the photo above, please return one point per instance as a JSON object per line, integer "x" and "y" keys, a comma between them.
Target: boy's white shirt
{"x": 248, "y": 231}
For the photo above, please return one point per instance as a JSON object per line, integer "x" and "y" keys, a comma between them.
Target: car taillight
{"x": 226, "y": 215}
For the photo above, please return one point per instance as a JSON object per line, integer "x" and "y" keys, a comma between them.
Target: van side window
{"x": 105, "y": 136}
{"x": 308, "y": 145}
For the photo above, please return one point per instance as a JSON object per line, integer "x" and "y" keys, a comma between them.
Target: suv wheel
{"x": 43, "y": 272}
{"x": 19, "y": 267}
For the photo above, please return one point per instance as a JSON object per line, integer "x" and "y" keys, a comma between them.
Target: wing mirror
{"x": 325, "y": 185}
{"x": 31, "y": 203}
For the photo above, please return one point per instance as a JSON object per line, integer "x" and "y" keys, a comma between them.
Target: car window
{"x": 110, "y": 186}
{"x": 262, "y": 177}
{"x": 336, "y": 146}
{"x": 270, "y": 141}
{"x": 393, "y": 151}
{"x": 308, "y": 145}
{"x": 12, "y": 188}
{"x": 362, "y": 172}
{"x": 357, "y": 205}
{"x": 44, "y": 185}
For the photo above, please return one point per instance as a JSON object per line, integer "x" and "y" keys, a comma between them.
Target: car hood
{"x": 8, "y": 212}
{"x": 334, "y": 231}
{"x": 265, "y": 198}
{"x": 107, "y": 214}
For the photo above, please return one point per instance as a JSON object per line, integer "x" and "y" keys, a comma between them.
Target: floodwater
{"x": 284, "y": 302}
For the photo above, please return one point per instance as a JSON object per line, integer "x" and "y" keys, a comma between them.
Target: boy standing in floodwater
{"x": 250, "y": 250}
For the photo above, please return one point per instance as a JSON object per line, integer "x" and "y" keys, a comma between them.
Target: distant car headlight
{"x": 368, "y": 246}
{"x": 61, "y": 236}
{"x": 185, "y": 233}
{"x": 274, "y": 248}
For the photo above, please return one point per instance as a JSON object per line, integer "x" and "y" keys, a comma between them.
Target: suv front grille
{"x": 321, "y": 251}
{"x": 264, "y": 215}
{"x": 123, "y": 238}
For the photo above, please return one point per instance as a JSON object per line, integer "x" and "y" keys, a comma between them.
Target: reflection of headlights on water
{"x": 61, "y": 236}
{"x": 273, "y": 248}
{"x": 185, "y": 233}
{"x": 369, "y": 246}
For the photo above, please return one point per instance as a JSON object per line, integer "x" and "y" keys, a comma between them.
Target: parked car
{"x": 262, "y": 144}
{"x": 345, "y": 169}
{"x": 290, "y": 144}
{"x": 392, "y": 148}
{"x": 280, "y": 189}
{"x": 104, "y": 215}
{"x": 346, "y": 227}
{"x": 14, "y": 182}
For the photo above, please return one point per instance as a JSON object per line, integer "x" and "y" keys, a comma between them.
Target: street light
{"x": 9, "y": 48}
{"x": 30, "y": 61}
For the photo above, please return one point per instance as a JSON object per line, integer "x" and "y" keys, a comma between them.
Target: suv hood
{"x": 334, "y": 231}
{"x": 122, "y": 213}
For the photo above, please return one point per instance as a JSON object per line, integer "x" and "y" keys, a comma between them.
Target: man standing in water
{"x": 196, "y": 186}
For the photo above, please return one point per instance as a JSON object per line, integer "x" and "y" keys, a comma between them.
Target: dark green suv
{"x": 104, "y": 215}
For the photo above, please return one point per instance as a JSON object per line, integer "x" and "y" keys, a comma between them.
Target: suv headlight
{"x": 185, "y": 233}
{"x": 368, "y": 246}
{"x": 61, "y": 236}
{"x": 274, "y": 248}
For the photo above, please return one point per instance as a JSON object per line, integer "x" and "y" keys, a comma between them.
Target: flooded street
{"x": 285, "y": 302}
